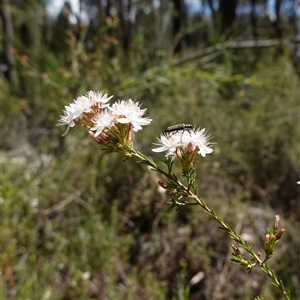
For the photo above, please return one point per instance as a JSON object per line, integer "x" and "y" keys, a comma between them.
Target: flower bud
{"x": 164, "y": 185}
{"x": 276, "y": 223}
{"x": 236, "y": 250}
{"x": 280, "y": 233}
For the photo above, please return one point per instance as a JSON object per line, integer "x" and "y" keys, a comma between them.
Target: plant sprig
{"x": 186, "y": 193}
{"x": 113, "y": 127}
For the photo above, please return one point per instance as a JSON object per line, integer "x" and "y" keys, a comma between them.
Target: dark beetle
{"x": 178, "y": 127}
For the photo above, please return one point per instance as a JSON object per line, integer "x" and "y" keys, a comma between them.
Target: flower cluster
{"x": 185, "y": 145}
{"x": 111, "y": 125}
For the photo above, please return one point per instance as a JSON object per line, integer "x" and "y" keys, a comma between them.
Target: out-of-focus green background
{"x": 77, "y": 223}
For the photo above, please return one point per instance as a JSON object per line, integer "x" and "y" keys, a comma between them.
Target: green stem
{"x": 242, "y": 243}
{"x": 262, "y": 263}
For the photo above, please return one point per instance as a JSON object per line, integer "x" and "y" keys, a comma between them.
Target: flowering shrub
{"x": 113, "y": 126}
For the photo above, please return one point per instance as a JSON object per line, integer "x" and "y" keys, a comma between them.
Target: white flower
{"x": 74, "y": 111}
{"x": 188, "y": 140}
{"x": 127, "y": 111}
{"x": 103, "y": 120}
{"x": 200, "y": 139}
{"x": 98, "y": 98}
{"x": 91, "y": 102}
{"x": 168, "y": 143}
{"x": 298, "y": 182}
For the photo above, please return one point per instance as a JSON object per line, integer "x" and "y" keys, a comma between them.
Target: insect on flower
{"x": 178, "y": 127}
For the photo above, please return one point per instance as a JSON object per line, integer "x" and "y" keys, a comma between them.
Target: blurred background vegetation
{"x": 77, "y": 223}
